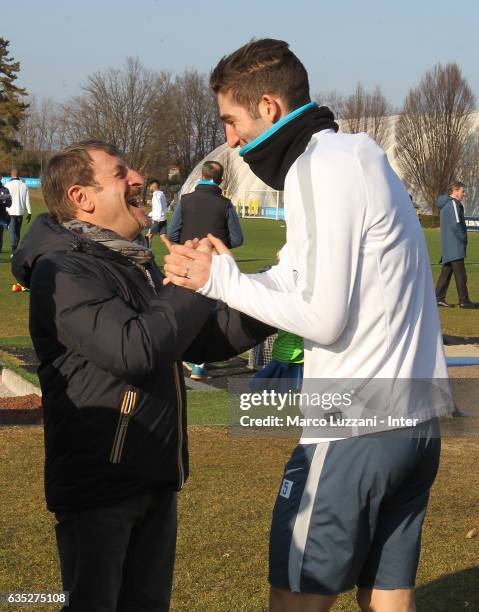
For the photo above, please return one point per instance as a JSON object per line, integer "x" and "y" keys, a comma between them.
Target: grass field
{"x": 226, "y": 506}
{"x": 225, "y": 513}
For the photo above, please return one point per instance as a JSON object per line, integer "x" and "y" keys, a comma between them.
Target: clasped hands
{"x": 189, "y": 265}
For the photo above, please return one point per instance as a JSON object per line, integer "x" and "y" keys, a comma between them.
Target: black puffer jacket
{"x": 110, "y": 352}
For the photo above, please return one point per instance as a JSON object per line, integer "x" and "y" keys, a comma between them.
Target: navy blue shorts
{"x": 350, "y": 512}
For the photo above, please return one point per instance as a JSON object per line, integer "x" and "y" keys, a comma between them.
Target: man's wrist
{"x": 208, "y": 286}
{"x": 212, "y": 286}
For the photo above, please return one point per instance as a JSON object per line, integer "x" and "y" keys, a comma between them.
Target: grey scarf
{"x": 136, "y": 251}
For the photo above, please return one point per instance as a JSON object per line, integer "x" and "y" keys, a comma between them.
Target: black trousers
{"x": 4, "y": 220}
{"x": 14, "y": 228}
{"x": 119, "y": 558}
{"x": 459, "y": 270}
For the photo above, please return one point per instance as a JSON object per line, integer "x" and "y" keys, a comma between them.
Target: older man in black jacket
{"x": 110, "y": 339}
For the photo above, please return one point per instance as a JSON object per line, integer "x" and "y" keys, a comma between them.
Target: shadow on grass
{"x": 454, "y": 340}
{"x": 457, "y": 591}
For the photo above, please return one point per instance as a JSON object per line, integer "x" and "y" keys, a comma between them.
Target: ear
{"x": 271, "y": 108}
{"x": 79, "y": 197}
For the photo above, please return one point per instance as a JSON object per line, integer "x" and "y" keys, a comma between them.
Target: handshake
{"x": 189, "y": 265}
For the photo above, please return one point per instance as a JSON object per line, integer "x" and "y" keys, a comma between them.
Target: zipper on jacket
{"x": 181, "y": 469}
{"x": 179, "y": 401}
{"x": 127, "y": 409}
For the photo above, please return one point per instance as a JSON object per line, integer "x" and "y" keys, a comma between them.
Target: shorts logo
{"x": 286, "y": 488}
{"x": 292, "y": 470}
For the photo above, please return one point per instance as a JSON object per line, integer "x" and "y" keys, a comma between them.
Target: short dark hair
{"x": 213, "y": 171}
{"x": 71, "y": 166}
{"x": 154, "y": 182}
{"x": 265, "y": 66}
{"x": 455, "y": 185}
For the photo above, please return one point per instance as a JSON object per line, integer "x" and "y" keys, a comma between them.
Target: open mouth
{"x": 133, "y": 201}
{"x": 138, "y": 212}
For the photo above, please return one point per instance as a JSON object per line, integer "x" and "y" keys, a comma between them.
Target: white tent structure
{"x": 249, "y": 194}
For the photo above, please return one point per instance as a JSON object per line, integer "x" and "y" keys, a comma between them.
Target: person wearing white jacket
{"x": 20, "y": 206}
{"x": 354, "y": 280}
{"x": 159, "y": 208}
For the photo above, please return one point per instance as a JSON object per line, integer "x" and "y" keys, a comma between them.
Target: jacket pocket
{"x": 127, "y": 408}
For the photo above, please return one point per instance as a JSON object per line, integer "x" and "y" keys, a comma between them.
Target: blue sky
{"x": 386, "y": 43}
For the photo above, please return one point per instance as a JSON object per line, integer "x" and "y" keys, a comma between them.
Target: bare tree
{"x": 155, "y": 119}
{"x": 41, "y": 129}
{"x": 432, "y": 131}
{"x": 230, "y": 176}
{"x": 198, "y": 129}
{"x": 39, "y": 134}
{"x": 116, "y": 106}
{"x": 333, "y": 100}
{"x": 367, "y": 112}
{"x": 468, "y": 172}
{"x": 160, "y": 148}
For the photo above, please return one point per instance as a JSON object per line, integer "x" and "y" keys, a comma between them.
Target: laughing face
{"x": 112, "y": 203}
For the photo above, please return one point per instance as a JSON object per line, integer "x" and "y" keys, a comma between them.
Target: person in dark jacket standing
{"x": 206, "y": 211}
{"x": 5, "y": 202}
{"x": 201, "y": 212}
{"x": 453, "y": 246}
{"x": 110, "y": 339}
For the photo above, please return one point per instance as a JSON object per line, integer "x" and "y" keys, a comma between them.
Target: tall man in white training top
{"x": 354, "y": 281}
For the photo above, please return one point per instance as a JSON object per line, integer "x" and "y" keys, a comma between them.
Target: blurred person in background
{"x": 159, "y": 208}
{"x": 20, "y": 206}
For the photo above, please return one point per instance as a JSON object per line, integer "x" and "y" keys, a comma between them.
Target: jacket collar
{"x": 271, "y": 154}
{"x": 211, "y": 187}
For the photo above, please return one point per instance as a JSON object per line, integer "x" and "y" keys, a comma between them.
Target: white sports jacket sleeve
{"x": 279, "y": 277}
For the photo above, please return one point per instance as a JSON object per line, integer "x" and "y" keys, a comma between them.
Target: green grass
{"x": 263, "y": 238}
{"x": 13, "y": 362}
{"x": 208, "y": 408}
{"x": 225, "y": 512}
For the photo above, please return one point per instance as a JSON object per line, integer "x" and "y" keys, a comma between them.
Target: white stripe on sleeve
{"x": 455, "y": 211}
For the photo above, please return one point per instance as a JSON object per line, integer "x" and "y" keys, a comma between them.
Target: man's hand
{"x": 189, "y": 265}
{"x": 29, "y": 218}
